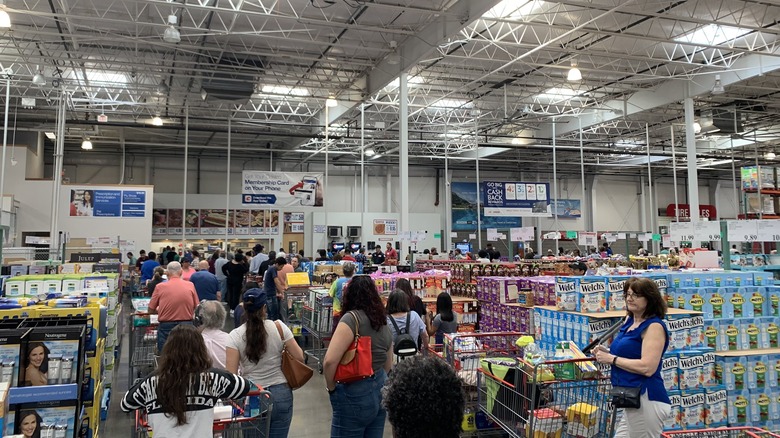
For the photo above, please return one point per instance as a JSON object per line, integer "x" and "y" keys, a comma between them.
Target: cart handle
{"x": 494, "y": 377}
{"x": 141, "y": 423}
{"x": 752, "y": 432}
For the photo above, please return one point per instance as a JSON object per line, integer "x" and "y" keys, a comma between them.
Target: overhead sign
{"x": 681, "y": 231}
{"x": 516, "y": 199}
{"x": 87, "y": 202}
{"x": 523, "y": 234}
{"x": 705, "y": 211}
{"x": 588, "y": 238}
{"x": 706, "y": 231}
{"x": 288, "y": 189}
{"x": 464, "y": 210}
{"x": 768, "y": 230}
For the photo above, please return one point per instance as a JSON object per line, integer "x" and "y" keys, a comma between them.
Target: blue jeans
{"x": 164, "y": 329}
{"x": 357, "y": 408}
{"x": 223, "y": 289}
{"x": 282, "y": 411}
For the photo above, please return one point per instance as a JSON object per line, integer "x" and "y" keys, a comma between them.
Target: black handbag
{"x": 625, "y": 397}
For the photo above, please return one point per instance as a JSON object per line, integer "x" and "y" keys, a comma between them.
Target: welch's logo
{"x": 675, "y": 399}
{"x": 599, "y": 325}
{"x": 593, "y": 287}
{"x": 617, "y": 286}
{"x": 670, "y": 363}
{"x": 716, "y": 397}
{"x": 691, "y": 362}
{"x": 661, "y": 283}
{"x": 566, "y": 287}
{"x": 692, "y": 400}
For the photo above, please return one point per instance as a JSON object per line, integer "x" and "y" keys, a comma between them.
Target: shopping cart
{"x": 143, "y": 341}
{"x": 464, "y": 352}
{"x": 237, "y": 426}
{"x": 723, "y": 432}
{"x": 317, "y": 318}
{"x": 529, "y": 400}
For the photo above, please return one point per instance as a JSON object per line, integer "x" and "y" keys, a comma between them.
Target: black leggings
{"x": 233, "y": 295}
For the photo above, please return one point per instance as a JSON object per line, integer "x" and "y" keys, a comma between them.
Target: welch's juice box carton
{"x": 716, "y": 411}
{"x": 692, "y": 404}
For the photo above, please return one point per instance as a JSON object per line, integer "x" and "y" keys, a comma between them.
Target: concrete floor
{"x": 311, "y": 418}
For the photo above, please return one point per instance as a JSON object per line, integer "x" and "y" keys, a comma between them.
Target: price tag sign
{"x": 743, "y": 231}
{"x": 768, "y": 230}
{"x": 588, "y": 239}
{"x": 707, "y": 231}
{"x": 523, "y": 234}
{"x": 682, "y": 231}
{"x": 552, "y": 235}
{"x": 666, "y": 241}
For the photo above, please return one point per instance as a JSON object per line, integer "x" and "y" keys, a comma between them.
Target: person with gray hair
{"x": 174, "y": 302}
{"x": 210, "y": 319}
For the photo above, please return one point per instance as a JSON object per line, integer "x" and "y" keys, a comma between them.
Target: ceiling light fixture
{"x": 696, "y": 127}
{"x": 86, "y": 145}
{"x": 394, "y": 58}
{"x": 718, "y": 87}
{"x": 574, "y": 74}
{"x": 171, "y": 34}
{"x": 50, "y": 135}
{"x": 157, "y": 121}
{"x": 38, "y": 79}
{"x": 162, "y": 89}
{"x": 331, "y": 102}
{"x": 770, "y": 156}
{"x": 370, "y": 152}
{"x": 5, "y": 19}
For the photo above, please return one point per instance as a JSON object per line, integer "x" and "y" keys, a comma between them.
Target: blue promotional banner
{"x": 567, "y": 208}
{"x": 107, "y": 203}
{"x": 516, "y": 199}
{"x": 464, "y": 210}
{"x": 287, "y": 189}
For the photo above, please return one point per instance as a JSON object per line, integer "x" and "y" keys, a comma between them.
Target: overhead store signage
{"x": 705, "y": 211}
{"x": 212, "y": 222}
{"x": 516, "y": 199}
{"x": 281, "y": 189}
{"x": 386, "y": 227}
{"x": 706, "y": 231}
{"x": 743, "y": 231}
{"x": 768, "y": 230}
{"x": 588, "y": 238}
{"x": 86, "y": 202}
{"x": 464, "y": 210}
{"x": 567, "y": 208}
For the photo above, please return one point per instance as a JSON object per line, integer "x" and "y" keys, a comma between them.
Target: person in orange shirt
{"x": 391, "y": 255}
{"x": 286, "y": 269}
{"x": 174, "y": 302}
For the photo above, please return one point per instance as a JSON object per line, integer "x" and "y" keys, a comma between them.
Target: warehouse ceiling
{"x": 485, "y": 78}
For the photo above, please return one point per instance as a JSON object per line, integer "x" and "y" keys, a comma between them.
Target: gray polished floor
{"x": 312, "y": 412}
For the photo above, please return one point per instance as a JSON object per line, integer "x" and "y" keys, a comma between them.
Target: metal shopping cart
{"x": 318, "y": 322}
{"x": 237, "y": 426}
{"x": 723, "y": 432}
{"x": 529, "y": 401}
{"x": 143, "y": 340}
{"x": 464, "y": 352}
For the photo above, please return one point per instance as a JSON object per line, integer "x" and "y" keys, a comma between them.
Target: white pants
{"x": 645, "y": 422}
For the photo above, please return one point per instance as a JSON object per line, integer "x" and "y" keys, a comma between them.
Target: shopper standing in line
{"x": 140, "y": 260}
{"x": 156, "y": 279}
{"x": 427, "y": 382}
{"x": 212, "y": 260}
{"x": 210, "y": 318}
{"x": 224, "y": 258}
{"x": 174, "y": 302}
{"x": 398, "y": 310}
{"x": 186, "y": 267}
{"x": 444, "y": 322}
{"x": 415, "y": 302}
{"x": 274, "y": 287}
{"x": 147, "y": 268}
{"x": 635, "y": 356}
{"x": 357, "y": 406}
{"x": 323, "y": 256}
{"x": 336, "y": 292}
{"x": 258, "y": 259}
{"x": 257, "y": 346}
{"x": 180, "y": 394}
{"x": 265, "y": 264}
{"x": 234, "y": 271}
{"x": 206, "y": 283}
{"x": 302, "y": 257}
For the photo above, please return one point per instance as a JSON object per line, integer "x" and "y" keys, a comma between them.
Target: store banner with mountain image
{"x": 464, "y": 211}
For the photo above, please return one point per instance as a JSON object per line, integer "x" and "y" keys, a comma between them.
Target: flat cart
{"x": 553, "y": 398}
{"x": 722, "y": 432}
{"x": 143, "y": 340}
{"x": 318, "y": 322}
{"x": 237, "y": 426}
{"x": 464, "y": 352}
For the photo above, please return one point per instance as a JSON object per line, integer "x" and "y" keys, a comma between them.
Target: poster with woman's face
{"x": 81, "y": 202}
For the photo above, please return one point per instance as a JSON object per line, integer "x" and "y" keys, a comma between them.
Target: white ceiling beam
{"x": 413, "y": 50}
{"x": 666, "y": 93}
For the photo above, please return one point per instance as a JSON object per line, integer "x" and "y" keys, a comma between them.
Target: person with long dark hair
{"x": 257, "y": 346}
{"x": 444, "y": 321}
{"x": 398, "y": 313}
{"x": 357, "y": 406}
{"x": 28, "y": 424}
{"x": 180, "y": 394}
{"x": 415, "y": 302}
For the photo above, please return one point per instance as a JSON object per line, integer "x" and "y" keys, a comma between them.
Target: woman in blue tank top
{"x": 635, "y": 356}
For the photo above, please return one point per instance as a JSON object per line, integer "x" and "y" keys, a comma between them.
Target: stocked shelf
{"x": 756, "y": 216}
{"x": 773, "y": 192}
{"x": 454, "y": 300}
{"x": 737, "y": 353}
{"x": 619, "y": 313}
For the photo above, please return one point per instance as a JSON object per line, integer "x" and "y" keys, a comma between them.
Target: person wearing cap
{"x": 258, "y": 258}
{"x": 186, "y": 267}
{"x": 256, "y": 347}
{"x": 578, "y": 269}
{"x": 174, "y": 302}
{"x": 206, "y": 283}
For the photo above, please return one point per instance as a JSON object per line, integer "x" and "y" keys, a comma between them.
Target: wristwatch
{"x": 614, "y": 361}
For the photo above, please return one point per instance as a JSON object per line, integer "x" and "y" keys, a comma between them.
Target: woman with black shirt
{"x": 235, "y": 271}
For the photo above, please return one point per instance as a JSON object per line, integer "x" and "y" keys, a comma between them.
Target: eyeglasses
{"x": 632, "y": 295}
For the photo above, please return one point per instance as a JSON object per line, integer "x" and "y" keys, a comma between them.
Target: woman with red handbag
{"x": 355, "y": 388}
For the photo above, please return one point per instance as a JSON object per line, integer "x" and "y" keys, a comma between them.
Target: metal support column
{"x": 184, "y": 190}
{"x": 690, "y": 148}
{"x": 227, "y": 181}
{"x": 403, "y": 158}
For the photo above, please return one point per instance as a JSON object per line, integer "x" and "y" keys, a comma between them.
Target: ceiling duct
{"x": 234, "y": 79}
{"x": 723, "y": 119}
